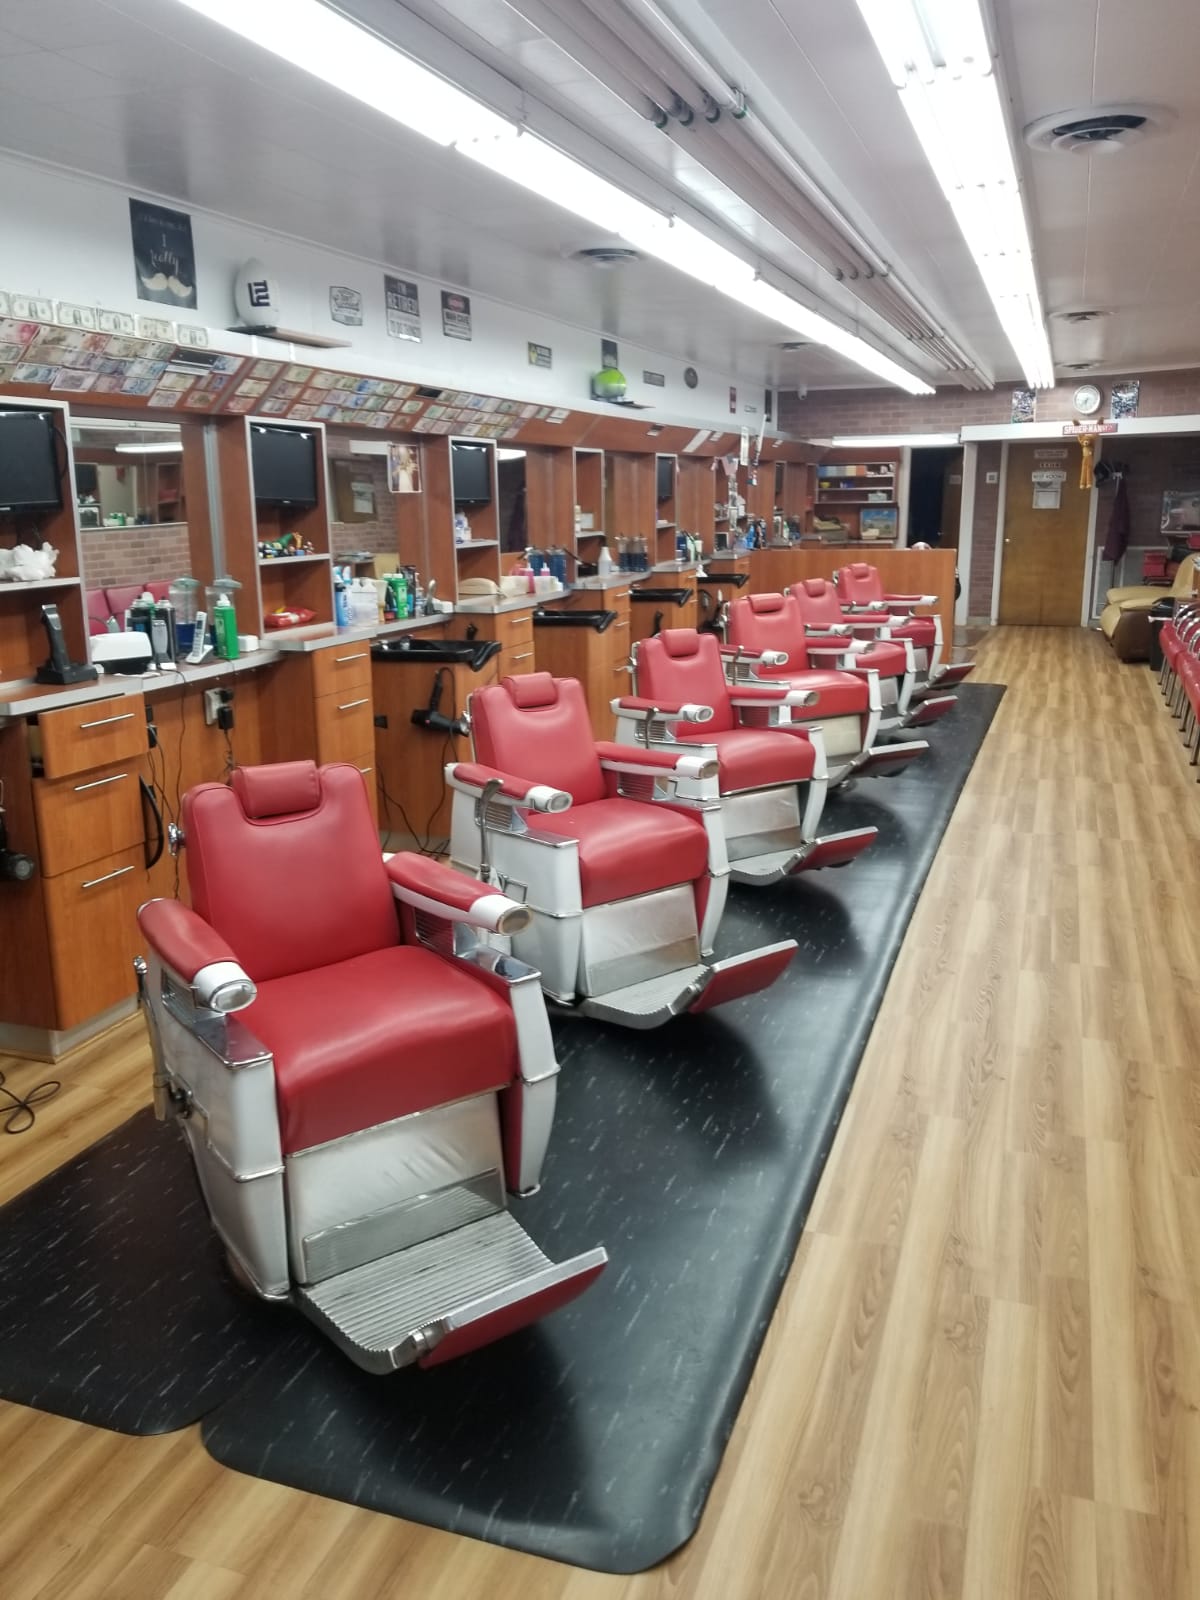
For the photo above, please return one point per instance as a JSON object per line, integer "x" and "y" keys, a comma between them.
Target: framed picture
{"x": 404, "y": 469}
{"x": 164, "y": 259}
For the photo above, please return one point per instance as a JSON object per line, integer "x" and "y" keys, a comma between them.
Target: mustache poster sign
{"x": 164, "y": 258}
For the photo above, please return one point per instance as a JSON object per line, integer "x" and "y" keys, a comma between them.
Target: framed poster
{"x": 456, "y": 315}
{"x": 164, "y": 259}
{"x": 402, "y": 308}
{"x": 404, "y": 468}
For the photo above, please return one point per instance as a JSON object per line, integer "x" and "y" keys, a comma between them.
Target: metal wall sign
{"x": 656, "y": 380}
{"x": 540, "y": 355}
{"x": 402, "y": 308}
{"x": 346, "y": 305}
{"x": 456, "y": 315}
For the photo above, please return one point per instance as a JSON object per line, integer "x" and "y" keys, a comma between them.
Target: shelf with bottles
{"x": 588, "y": 471}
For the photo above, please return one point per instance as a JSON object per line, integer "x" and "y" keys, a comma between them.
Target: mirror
{"x": 513, "y": 512}
{"x": 362, "y": 511}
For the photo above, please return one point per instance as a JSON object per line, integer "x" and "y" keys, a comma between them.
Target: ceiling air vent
{"x": 1091, "y": 315}
{"x": 1078, "y": 366}
{"x": 1096, "y": 129}
{"x": 606, "y": 255}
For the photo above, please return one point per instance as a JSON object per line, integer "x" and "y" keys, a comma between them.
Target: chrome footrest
{"x": 401, "y": 1308}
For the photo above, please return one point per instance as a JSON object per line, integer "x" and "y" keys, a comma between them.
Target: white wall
{"x": 66, "y": 237}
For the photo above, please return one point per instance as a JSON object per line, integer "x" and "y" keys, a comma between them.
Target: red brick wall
{"x": 826, "y": 412}
{"x": 134, "y": 554}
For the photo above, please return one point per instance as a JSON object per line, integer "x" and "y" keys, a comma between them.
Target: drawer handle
{"x": 98, "y": 783}
{"x": 524, "y": 656}
{"x": 361, "y": 656}
{"x": 126, "y": 716}
{"x": 351, "y": 704}
{"x": 119, "y": 873}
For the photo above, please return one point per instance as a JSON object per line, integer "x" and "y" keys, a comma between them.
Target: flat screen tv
{"x": 666, "y": 477}
{"x": 285, "y": 465}
{"x": 471, "y": 473}
{"x": 30, "y": 470}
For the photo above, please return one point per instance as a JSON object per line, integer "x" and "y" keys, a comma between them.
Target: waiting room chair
{"x": 360, "y": 1077}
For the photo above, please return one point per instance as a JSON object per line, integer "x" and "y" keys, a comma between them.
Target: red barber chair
{"x": 618, "y": 855}
{"x": 768, "y": 643}
{"x": 773, "y": 771}
{"x": 861, "y": 589}
{"x": 838, "y": 640}
{"x": 386, "y": 1077}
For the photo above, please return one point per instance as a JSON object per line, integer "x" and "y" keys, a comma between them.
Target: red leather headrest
{"x": 533, "y": 689}
{"x": 678, "y": 642}
{"x": 815, "y": 587}
{"x": 280, "y": 790}
{"x": 860, "y": 569}
{"x": 761, "y": 604}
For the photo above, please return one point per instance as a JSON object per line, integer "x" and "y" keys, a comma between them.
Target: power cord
{"x": 18, "y": 1109}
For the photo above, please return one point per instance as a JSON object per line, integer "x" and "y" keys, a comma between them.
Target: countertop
{"x": 505, "y": 603}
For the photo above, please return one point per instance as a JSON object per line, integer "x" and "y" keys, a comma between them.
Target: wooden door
{"x": 1041, "y": 579}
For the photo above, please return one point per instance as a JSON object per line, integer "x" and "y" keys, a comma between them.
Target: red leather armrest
{"x": 635, "y": 755}
{"x": 473, "y": 776}
{"x": 429, "y": 886}
{"x": 910, "y": 599}
{"x": 760, "y": 693}
{"x": 181, "y": 939}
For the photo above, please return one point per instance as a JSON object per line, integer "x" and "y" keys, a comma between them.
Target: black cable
{"x": 18, "y": 1110}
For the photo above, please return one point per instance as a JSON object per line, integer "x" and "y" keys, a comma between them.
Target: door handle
{"x": 119, "y": 873}
{"x": 99, "y": 783}
{"x": 104, "y": 721}
{"x": 351, "y": 704}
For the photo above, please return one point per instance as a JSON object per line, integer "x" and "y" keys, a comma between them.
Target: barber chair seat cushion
{"x": 377, "y": 1037}
{"x": 627, "y": 847}
{"x": 752, "y": 758}
{"x": 888, "y": 659}
{"x": 842, "y": 694}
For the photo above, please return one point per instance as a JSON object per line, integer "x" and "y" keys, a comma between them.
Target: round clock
{"x": 691, "y": 377}
{"x": 1087, "y": 399}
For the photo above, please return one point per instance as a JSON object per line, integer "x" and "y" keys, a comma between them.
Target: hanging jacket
{"x": 1116, "y": 541}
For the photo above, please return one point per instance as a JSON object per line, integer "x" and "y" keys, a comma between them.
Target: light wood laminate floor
{"x": 983, "y": 1378}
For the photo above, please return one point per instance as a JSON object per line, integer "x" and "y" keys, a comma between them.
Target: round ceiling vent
{"x": 1088, "y": 314}
{"x": 1103, "y": 129}
{"x": 1078, "y": 366}
{"x": 606, "y": 255}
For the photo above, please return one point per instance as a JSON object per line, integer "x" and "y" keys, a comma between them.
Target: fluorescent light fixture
{"x": 122, "y": 424}
{"x": 939, "y": 58}
{"x": 339, "y": 52}
{"x": 886, "y": 440}
{"x": 148, "y": 449}
{"x": 503, "y": 453}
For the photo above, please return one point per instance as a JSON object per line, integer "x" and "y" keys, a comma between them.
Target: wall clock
{"x": 691, "y": 377}
{"x": 1087, "y": 399}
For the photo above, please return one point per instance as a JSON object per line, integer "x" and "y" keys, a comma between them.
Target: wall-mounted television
{"x": 471, "y": 473}
{"x": 666, "y": 477}
{"x": 285, "y": 465}
{"x": 30, "y": 470}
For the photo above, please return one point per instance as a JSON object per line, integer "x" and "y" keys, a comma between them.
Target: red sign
{"x": 1074, "y": 429}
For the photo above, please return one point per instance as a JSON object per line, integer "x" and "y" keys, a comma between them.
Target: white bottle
{"x": 604, "y": 562}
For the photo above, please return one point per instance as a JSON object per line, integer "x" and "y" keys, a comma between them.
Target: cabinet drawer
{"x": 91, "y": 919}
{"x": 340, "y": 668}
{"x": 366, "y": 765}
{"x": 83, "y": 818}
{"x": 100, "y": 734}
{"x": 345, "y": 726}
{"x": 518, "y": 658}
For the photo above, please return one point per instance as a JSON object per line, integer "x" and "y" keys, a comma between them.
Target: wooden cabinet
{"x": 599, "y": 658}
{"x": 87, "y": 815}
{"x": 320, "y": 706}
{"x": 344, "y": 727}
{"x": 513, "y": 630}
{"x": 91, "y": 915}
{"x": 340, "y": 668}
{"x": 670, "y": 605}
{"x": 96, "y": 734}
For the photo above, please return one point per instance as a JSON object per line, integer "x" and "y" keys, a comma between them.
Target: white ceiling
{"x": 147, "y": 94}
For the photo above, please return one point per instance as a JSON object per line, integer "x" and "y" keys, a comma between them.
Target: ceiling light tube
{"x": 148, "y": 449}
{"x": 339, "y": 52}
{"x": 884, "y": 441}
{"x": 938, "y": 57}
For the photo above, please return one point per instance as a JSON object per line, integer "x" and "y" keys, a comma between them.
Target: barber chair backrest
{"x": 681, "y": 666}
{"x": 538, "y": 727}
{"x": 859, "y": 583}
{"x": 770, "y": 622}
{"x": 285, "y": 864}
{"x": 818, "y": 602}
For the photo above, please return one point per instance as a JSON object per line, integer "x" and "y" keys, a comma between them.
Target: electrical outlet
{"x": 215, "y": 700}
{"x": 992, "y": 477}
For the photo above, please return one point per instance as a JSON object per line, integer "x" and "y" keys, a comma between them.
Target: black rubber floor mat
{"x": 115, "y": 1305}
{"x": 693, "y": 1154}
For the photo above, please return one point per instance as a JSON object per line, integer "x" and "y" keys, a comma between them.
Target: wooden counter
{"x": 903, "y": 572}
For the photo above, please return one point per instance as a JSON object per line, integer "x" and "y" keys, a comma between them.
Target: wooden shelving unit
{"x": 588, "y": 468}
{"x": 848, "y": 484}
{"x": 694, "y": 503}
{"x": 23, "y": 644}
{"x": 281, "y": 582}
